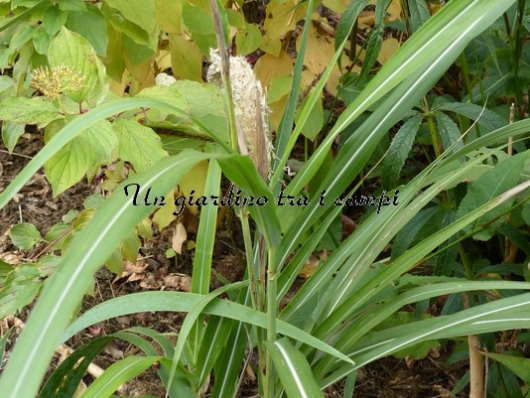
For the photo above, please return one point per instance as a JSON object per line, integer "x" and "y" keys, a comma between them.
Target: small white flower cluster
{"x": 250, "y": 107}
{"x": 164, "y": 80}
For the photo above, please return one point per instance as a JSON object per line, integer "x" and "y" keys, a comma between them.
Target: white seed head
{"x": 250, "y": 107}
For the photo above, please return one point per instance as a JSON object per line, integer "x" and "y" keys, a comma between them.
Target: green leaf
{"x": 20, "y": 288}
{"x": 242, "y": 172}
{"x": 11, "y": 132}
{"x": 202, "y": 263}
{"x": 446, "y": 28}
{"x": 280, "y": 87}
{"x": 213, "y": 344}
{"x": 169, "y": 15}
{"x": 130, "y": 247}
{"x": 25, "y": 235}
{"x": 138, "y": 12}
{"x": 92, "y": 26}
{"x": 53, "y": 20}
{"x": 186, "y": 302}
{"x": 396, "y": 72}
{"x": 186, "y": 58}
{"x": 138, "y": 144}
{"x": 36, "y": 110}
{"x": 72, "y": 5}
{"x": 517, "y": 365}
{"x": 375, "y": 40}
{"x": 399, "y": 151}
{"x": 294, "y": 370}
{"x": 490, "y": 184}
{"x": 132, "y": 31}
{"x": 114, "y": 263}
{"x": 117, "y": 374}
{"x": 406, "y": 236}
{"x": 134, "y": 53}
{"x": 483, "y": 116}
{"x": 405, "y": 319}
{"x": 197, "y": 20}
{"x": 449, "y": 132}
{"x": 94, "y": 146}
{"x": 65, "y": 289}
{"x": 419, "y": 14}
{"x": 525, "y": 213}
{"x": 75, "y": 52}
{"x": 65, "y": 380}
{"x": 59, "y": 230}
{"x": 22, "y": 38}
{"x": 75, "y": 128}
{"x": 3, "y": 342}
{"x": 313, "y": 124}
{"x": 249, "y": 39}
{"x": 6, "y": 83}
{"x": 42, "y": 41}
{"x": 5, "y": 269}
{"x": 347, "y": 21}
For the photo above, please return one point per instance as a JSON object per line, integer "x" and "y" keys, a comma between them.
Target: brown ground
{"x": 385, "y": 378}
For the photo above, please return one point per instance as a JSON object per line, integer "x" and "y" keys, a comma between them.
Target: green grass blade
{"x": 439, "y": 40}
{"x": 508, "y": 313}
{"x": 214, "y": 342}
{"x": 191, "y": 319}
{"x": 202, "y": 263}
{"x": 241, "y": 171}
{"x": 294, "y": 371}
{"x": 117, "y": 374}
{"x": 338, "y": 314}
{"x": 64, "y": 291}
{"x": 286, "y": 123}
{"x": 65, "y": 380}
{"x": 313, "y": 97}
{"x": 185, "y": 302}
{"x": 351, "y": 335}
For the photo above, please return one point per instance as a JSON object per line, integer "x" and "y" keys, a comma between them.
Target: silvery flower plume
{"x": 250, "y": 108}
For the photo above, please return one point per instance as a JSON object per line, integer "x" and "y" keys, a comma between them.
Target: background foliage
{"x": 408, "y": 99}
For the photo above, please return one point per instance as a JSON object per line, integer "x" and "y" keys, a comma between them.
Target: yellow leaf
{"x": 192, "y": 184}
{"x": 179, "y": 237}
{"x": 282, "y": 16}
{"x": 435, "y": 8}
{"x": 393, "y": 11}
{"x": 169, "y": 15}
{"x": 320, "y": 49}
{"x": 366, "y": 19}
{"x": 277, "y": 109}
{"x": 163, "y": 60}
{"x": 269, "y": 66}
{"x": 337, "y": 6}
{"x": 164, "y": 215}
{"x": 388, "y": 48}
{"x": 186, "y": 58}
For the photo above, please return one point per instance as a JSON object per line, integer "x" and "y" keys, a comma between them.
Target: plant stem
{"x": 272, "y": 306}
{"x": 476, "y": 362}
{"x": 432, "y": 129}
{"x": 464, "y": 72}
{"x": 247, "y": 239}
{"x": 225, "y": 72}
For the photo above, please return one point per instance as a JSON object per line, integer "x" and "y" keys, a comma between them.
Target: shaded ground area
{"x": 385, "y": 378}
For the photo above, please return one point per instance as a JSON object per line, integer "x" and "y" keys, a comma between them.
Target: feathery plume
{"x": 250, "y": 107}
